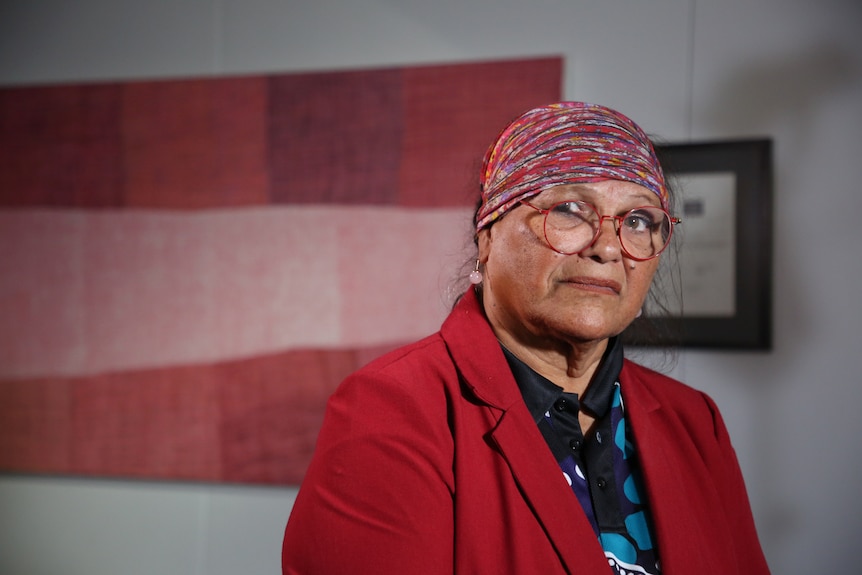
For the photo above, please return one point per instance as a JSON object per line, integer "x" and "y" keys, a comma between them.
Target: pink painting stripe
{"x": 83, "y": 293}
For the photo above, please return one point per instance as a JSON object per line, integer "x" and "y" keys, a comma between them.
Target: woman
{"x": 518, "y": 439}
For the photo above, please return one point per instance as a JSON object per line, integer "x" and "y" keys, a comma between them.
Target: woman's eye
{"x": 638, "y": 221}
{"x": 571, "y": 209}
{"x": 570, "y": 214}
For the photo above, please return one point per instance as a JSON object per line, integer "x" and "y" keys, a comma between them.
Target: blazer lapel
{"x": 543, "y": 486}
{"x": 678, "y": 484}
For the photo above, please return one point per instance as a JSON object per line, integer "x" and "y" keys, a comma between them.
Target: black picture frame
{"x": 749, "y": 325}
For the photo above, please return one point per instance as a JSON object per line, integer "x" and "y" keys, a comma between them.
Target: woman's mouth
{"x": 597, "y": 285}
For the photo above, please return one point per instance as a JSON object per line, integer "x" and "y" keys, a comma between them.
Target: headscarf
{"x": 565, "y": 143}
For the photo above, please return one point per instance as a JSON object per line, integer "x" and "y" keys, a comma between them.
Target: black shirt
{"x": 556, "y": 413}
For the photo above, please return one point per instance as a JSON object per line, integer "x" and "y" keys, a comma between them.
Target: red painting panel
{"x": 195, "y": 143}
{"x": 402, "y": 137}
{"x": 35, "y": 425}
{"x": 153, "y": 423}
{"x": 244, "y": 421}
{"x": 335, "y": 137}
{"x": 453, "y": 112}
{"x": 271, "y": 409}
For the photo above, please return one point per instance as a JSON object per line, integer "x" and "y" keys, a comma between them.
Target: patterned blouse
{"x": 602, "y": 468}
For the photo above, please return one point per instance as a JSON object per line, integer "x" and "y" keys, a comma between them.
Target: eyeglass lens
{"x": 572, "y": 226}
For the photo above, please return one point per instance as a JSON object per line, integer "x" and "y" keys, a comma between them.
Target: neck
{"x": 569, "y": 365}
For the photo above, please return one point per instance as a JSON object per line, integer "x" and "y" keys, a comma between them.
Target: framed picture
{"x": 724, "y": 277}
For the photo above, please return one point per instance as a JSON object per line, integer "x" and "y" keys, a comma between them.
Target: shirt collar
{"x": 540, "y": 393}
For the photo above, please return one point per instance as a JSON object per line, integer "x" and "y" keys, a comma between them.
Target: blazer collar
{"x": 477, "y": 354}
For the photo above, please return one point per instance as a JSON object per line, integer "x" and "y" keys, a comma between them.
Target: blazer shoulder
{"x": 418, "y": 355}
{"x": 422, "y": 369}
{"x": 655, "y": 389}
{"x": 661, "y": 384}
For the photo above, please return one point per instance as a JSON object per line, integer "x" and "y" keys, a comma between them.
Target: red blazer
{"x": 428, "y": 462}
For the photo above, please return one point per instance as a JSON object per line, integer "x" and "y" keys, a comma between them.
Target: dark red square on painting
{"x": 335, "y": 137}
{"x": 60, "y": 146}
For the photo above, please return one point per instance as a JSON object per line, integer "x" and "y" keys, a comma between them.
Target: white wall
{"x": 684, "y": 69}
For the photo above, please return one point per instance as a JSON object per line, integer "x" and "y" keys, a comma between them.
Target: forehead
{"x": 603, "y": 192}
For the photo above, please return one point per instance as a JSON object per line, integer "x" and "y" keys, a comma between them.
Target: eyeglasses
{"x": 573, "y": 226}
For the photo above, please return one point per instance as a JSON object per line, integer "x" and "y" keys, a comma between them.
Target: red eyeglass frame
{"x": 617, "y": 219}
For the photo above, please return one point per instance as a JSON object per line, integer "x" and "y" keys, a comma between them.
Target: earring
{"x": 476, "y": 275}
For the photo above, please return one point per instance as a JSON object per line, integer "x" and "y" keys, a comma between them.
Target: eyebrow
{"x": 647, "y": 197}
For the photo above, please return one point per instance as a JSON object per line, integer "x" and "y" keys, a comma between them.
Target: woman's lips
{"x": 597, "y": 285}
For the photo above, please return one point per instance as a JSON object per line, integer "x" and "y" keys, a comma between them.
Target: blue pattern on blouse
{"x": 632, "y": 551}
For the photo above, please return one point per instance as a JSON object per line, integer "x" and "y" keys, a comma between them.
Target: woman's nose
{"x": 607, "y": 243}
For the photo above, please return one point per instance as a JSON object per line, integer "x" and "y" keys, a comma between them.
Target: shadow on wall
{"x": 786, "y": 98}
{"x": 765, "y": 94}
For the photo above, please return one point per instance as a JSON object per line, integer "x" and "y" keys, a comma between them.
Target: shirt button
{"x": 601, "y": 483}
{"x": 561, "y": 404}
{"x": 575, "y": 444}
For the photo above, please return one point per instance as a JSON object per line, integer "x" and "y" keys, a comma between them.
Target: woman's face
{"x": 538, "y": 296}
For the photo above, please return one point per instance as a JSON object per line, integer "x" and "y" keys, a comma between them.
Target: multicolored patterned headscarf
{"x": 565, "y": 143}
